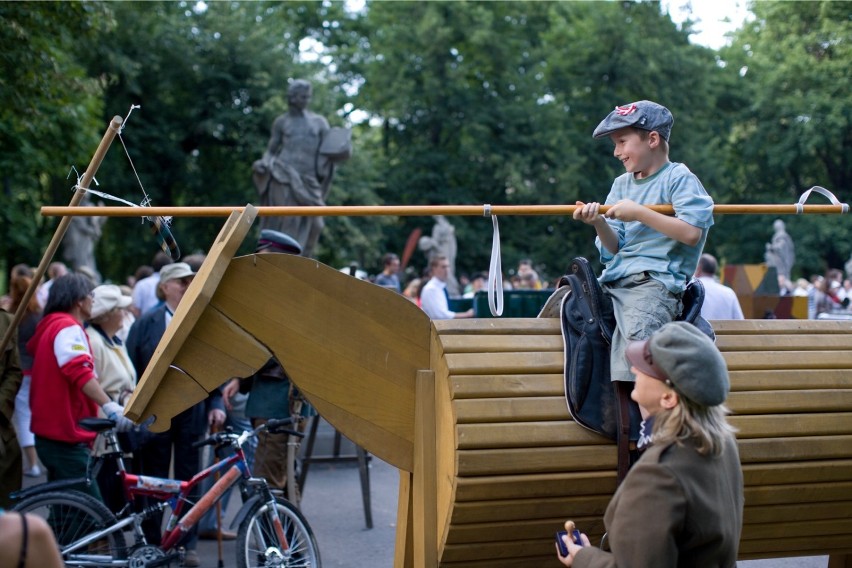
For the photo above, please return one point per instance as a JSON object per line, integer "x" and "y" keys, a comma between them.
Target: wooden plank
{"x": 804, "y": 360}
{"x": 840, "y": 561}
{"x": 528, "y": 409}
{"x": 799, "y": 493}
{"x": 195, "y": 301}
{"x": 403, "y": 552}
{"x": 526, "y": 435}
{"x": 790, "y": 527}
{"x": 218, "y": 346}
{"x": 328, "y": 329}
{"x": 446, "y": 436}
{"x": 812, "y": 471}
{"x": 773, "y": 343}
{"x": 505, "y": 363}
{"x": 785, "y": 379}
{"x": 795, "y": 449}
{"x": 788, "y": 425}
{"x": 529, "y": 509}
{"x": 532, "y": 561}
{"x": 788, "y": 401}
{"x": 536, "y": 460}
{"x": 795, "y": 546}
{"x": 519, "y": 530}
{"x": 425, "y": 471}
{"x": 811, "y": 512}
{"x": 780, "y": 327}
{"x": 505, "y": 386}
{"x": 506, "y": 549}
{"x": 502, "y": 343}
{"x": 536, "y": 485}
{"x": 499, "y": 326}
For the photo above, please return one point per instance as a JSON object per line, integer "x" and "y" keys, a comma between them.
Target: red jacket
{"x": 62, "y": 365}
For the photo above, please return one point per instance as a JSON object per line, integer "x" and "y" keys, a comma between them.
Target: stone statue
{"x": 78, "y": 245}
{"x": 780, "y": 252}
{"x": 298, "y": 166}
{"x": 443, "y": 242}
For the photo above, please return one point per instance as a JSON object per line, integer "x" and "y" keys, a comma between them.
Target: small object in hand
{"x": 575, "y": 537}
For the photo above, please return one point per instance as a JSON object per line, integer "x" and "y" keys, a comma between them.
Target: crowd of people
{"x": 82, "y": 346}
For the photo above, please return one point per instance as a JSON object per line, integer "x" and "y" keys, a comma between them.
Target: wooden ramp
{"x": 473, "y": 411}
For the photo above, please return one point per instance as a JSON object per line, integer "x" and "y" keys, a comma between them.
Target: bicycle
{"x": 272, "y": 531}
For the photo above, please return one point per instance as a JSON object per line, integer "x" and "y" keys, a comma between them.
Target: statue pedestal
{"x": 756, "y": 286}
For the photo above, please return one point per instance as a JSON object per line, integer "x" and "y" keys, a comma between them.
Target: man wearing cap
{"x": 682, "y": 503}
{"x": 154, "y": 457}
{"x": 648, "y": 257}
{"x": 269, "y": 389}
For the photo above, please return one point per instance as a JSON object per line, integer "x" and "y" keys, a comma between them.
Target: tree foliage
{"x": 49, "y": 109}
{"x": 465, "y": 103}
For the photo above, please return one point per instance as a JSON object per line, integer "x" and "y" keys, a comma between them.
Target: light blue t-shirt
{"x": 643, "y": 249}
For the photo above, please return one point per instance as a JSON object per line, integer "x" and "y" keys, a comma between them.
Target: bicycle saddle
{"x": 96, "y": 424}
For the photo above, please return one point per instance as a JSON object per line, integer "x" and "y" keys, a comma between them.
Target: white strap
{"x": 495, "y": 270}
{"x": 800, "y": 205}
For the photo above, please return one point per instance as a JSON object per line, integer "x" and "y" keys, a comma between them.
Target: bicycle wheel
{"x": 73, "y": 515}
{"x": 258, "y": 546}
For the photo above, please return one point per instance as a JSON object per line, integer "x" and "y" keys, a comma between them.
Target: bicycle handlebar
{"x": 273, "y": 425}
{"x": 276, "y": 425}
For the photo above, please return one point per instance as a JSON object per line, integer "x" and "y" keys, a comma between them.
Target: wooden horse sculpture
{"x": 473, "y": 412}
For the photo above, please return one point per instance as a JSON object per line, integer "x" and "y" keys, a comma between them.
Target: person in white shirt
{"x": 145, "y": 291}
{"x": 434, "y": 298}
{"x": 720, "y": 302}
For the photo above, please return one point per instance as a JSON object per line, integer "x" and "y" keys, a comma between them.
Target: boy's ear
{"x": 653, "y": 139}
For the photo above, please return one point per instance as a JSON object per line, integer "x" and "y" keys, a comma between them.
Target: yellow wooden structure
{"x": 473, "y": 414}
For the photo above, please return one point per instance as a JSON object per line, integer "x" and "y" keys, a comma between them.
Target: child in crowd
{"x": 682, "y": 503}
{"x": 649, "y": 257}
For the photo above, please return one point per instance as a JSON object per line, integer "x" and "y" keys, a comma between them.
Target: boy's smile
{"x": 637, "y": 153}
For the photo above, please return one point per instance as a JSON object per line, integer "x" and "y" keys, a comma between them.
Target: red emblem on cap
{"x": 625, "y": 110}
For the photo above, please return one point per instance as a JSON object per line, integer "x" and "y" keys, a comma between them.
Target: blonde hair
{"x": 706, "y": 425}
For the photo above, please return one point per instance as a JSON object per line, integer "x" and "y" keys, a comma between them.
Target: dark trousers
{"x": 11, "y": 465}
{"x": 66, "y": 461}
{"x": 154, "y": 458}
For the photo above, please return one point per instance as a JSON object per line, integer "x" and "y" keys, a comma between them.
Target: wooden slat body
{"x": 521, "y": 465}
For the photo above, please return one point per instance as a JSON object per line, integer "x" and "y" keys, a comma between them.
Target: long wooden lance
{"x": 80, "y": 191}
{"x": 418, "y": 210}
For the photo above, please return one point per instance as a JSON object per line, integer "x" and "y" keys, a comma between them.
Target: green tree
{"x": 210, "y": 80}
{"x": 495, "y": 103}
{"x": 794, "y": 129}
{"x": 49, "y": 116}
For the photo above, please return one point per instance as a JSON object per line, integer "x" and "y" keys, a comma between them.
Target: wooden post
{"x": 89, "y": 174}
{"x": 425, "y": 487}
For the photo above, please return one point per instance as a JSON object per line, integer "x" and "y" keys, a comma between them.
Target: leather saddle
{"x": 587, "y": 320}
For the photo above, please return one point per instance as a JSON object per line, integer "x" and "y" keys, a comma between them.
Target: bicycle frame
{"x": 175, "y": 493}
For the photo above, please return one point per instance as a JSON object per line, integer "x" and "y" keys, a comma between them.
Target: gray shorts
{"x": 642, "y": 305}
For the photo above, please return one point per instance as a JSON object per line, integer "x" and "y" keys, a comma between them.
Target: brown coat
{"x": 675, "y": 508}
{"x": 11, "y": 464}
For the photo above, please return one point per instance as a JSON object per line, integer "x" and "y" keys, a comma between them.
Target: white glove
{"x": 115, "y": 411}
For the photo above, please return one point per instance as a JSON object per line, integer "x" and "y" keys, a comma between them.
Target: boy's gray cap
{"x": 276, "y": 241}
{"x": 646, "y": 115}
{"x": 680, "y": 353}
